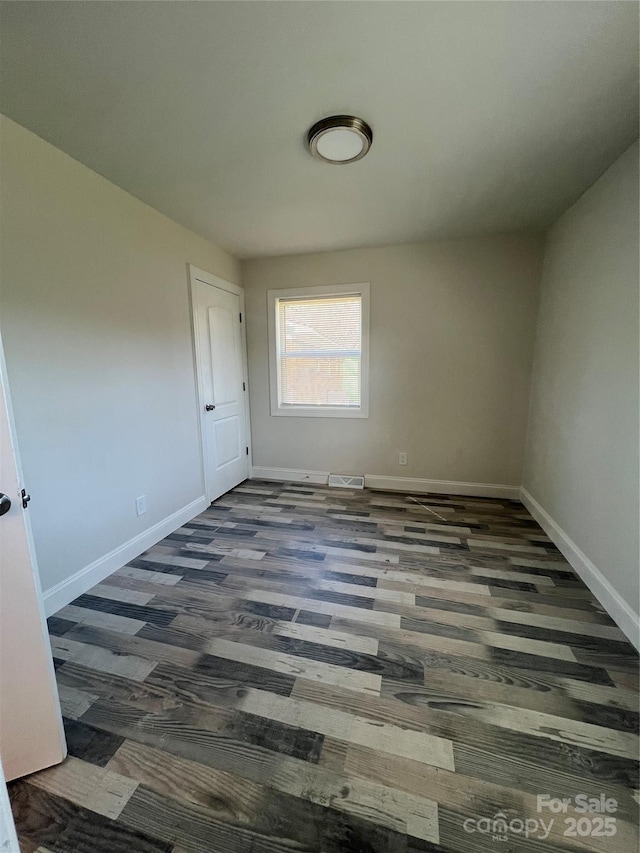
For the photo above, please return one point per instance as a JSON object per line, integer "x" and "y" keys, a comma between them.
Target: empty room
{"x": 319, "y": 426}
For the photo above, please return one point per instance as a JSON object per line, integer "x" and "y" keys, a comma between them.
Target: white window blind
{"x": 319, "y": 351}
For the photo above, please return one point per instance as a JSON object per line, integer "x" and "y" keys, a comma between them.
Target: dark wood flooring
{"x": 309, "y": 669}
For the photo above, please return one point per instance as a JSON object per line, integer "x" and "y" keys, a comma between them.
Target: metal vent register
{"x": 346, "y": 481}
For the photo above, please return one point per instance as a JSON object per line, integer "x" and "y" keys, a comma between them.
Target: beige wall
{"x": 452, "y": 332}
{"x": 97, "y": 335}
{"x": 582, "y": 448}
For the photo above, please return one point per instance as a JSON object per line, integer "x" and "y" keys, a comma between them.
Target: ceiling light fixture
{"x": 340, "y": 139}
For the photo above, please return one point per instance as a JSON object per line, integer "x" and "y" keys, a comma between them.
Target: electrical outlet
{"x": 141, "y": 504}
{"x": 402, "y": 458}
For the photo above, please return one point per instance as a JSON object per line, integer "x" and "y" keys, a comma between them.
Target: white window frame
{"x": 277, "y": 410}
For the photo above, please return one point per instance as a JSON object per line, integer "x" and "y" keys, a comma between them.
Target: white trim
{"x": 619, "y": 610}
{"x": 8, "y": 837}
{"x": 443, "y": 487}
{"x": 198, "y": 275}
{"x": 293, "y": 475}
{"x": 361, "y": 289}
{"x": 394, "y": 484}
{"x": 67, "y": 590}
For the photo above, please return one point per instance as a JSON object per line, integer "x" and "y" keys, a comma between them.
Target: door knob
{"x": 209, "y": 407}
{"x": 5, "y": 504}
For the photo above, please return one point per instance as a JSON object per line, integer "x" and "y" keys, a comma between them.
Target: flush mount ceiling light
{"x": 340, "y": 139}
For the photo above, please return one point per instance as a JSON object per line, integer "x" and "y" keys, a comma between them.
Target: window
{"x": 318, "y": 351}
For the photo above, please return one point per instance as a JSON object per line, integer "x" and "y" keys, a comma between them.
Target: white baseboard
{"x": 619, "y": 610}
{"x": 394, "y": 484}
{"x": 67, "y": 590}
{"x": 442, "y": 487}
{"x": 291, "y": 475}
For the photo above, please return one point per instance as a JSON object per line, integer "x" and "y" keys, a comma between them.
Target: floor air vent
{"x": 346, "y": 481}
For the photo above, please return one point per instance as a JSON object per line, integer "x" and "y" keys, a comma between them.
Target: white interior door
{"x": 31, "y": 733}
{"x": 221, "y": 384}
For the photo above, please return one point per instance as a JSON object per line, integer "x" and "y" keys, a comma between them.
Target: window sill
{"x": 319, "y": 412}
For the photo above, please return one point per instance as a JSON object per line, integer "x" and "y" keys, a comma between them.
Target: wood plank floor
{"x": 309, "y": 669}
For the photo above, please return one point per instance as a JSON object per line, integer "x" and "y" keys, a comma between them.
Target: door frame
{"x": 198, "y": 275}
{"x": 8, "y": 836}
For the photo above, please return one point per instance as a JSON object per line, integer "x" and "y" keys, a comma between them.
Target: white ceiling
{"x": 487, "y": 116}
